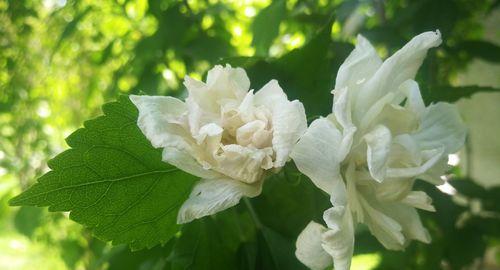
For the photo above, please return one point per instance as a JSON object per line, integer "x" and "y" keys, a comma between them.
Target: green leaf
{"x": 276, "y": 251}
{"x": 281, "y": 193}
{"x": 70, "y": 28}
{"x": 481, "y": 49}
{"x": 452, "y": 94}
{"x": 306, "y": 73}
{"x": 113, "y": 181}
{"x": 212, "y": 242}
{"x": 151, "y": 259}
{"x": 28, "y": 219}
{"x": 266, "y": 26}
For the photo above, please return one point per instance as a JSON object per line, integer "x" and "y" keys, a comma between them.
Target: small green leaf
{"x": 266, "y": 26}
{"x": 70, "y": 28}
{"x": 113, "y": 181}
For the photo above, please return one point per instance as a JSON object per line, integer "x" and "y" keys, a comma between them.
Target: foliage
{"x": 113, "y": 181}
{"x": 60, "y": 60}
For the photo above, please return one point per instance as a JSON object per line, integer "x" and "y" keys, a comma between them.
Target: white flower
{"x": 367, "y": 154}
{"x": 223, "y": 133}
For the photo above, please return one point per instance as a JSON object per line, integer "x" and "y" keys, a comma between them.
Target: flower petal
{"x": 401, "y": 66}
{"x": 409, "y": 220}
{"x": 245, "y": 164}
{"x": 419, "y": 199}
{"x": 433, "y": 157}
{"x": 360, "y": 65}
{"x": 315, "y": 154}
{"x": 441, "y": 126}
{"x": 289, "y": 123}
{"x": 270, "y": 94}
{"x": 339, "y": 240}
{"x": 379, "y": 146}
{"x": 223, "y": 83}
{"x": 342, "y": 113}
{"x": 236, "y": 75}
{"x": 210, "y": 196}
{"x": 414, "y": 99}
{"x": 187, "y": 163}
{"x": 392, "y": 190}
{"x": 159, "y": 120}
{"x": 288, "y": 118}
{"x": 308, "y": 247}
{"x": 387, "y": 230}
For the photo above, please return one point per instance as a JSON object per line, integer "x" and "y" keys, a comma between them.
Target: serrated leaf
{"x": 113, "y": 181}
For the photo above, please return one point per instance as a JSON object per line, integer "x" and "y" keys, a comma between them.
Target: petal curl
{"x": 289, "y": 123}
{"x": 309, "y": 250}
{"x": 187, "y": 163}
{"x": 159, "y": 120}
{"x": 315, "y": 154}
{"x": 441, "y": 126}
{"x": 270, "y": 94}
{"x": 339, "y": 240}
{"x": 419, "y": 199}
{"x": 360, "y": 65}
{"x": 379, "y": 146}
{"x": 401, "y": 66}
{"x": 223, "y": 83}
{"x": 210, "y": 196}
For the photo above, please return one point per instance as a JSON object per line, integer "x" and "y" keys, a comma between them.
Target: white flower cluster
{"x": 366, "y": 154}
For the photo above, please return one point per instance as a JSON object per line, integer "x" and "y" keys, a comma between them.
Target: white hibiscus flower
{"x": 367, "y": 154}
{"x": 223, "y": 133}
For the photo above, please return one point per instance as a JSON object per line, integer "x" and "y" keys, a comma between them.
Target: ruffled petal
{"x": 342, "y": 113}
{"x": 409, "y": 220}
{"x": 245, "y": 164}
{"x": 338, "y": 240}
{"x": 359, "y": 66}
{"x": 414, "y": 99}
{"x": 159, "y": 120}
{"x": 270, "y": 95}
{"x": 309, "y": 248}
{"x": 315, "y": 154}
{"x": 289, "y": 123}
{"x": 387, "y": 230}
{"x": 379, "y": 146}
{"x": 393, "y": 190}
{"x": 210, "y": 196}
{"x": 401, "y": 66}
{"x": 419, "y": 199}
{"x": 223, "y": 84}
{"x": 441, "y": 126}
{"x": 237, "y": 75}
{"x": 432, "y": 158}
{"x": 187, "y": 163}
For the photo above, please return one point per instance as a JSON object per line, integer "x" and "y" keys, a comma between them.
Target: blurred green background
{"x": 60, "y": 60}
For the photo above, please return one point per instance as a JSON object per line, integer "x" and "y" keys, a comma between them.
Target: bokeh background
{"x": 60, "y": 60}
